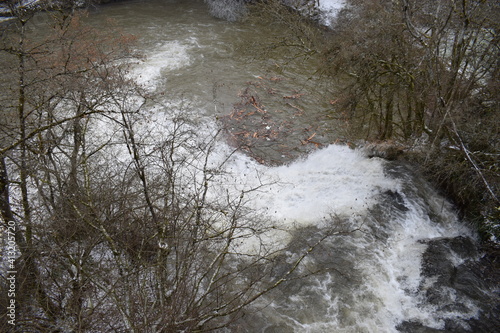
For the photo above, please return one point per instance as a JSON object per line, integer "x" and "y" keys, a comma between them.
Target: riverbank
{"x": 157, "y": 200}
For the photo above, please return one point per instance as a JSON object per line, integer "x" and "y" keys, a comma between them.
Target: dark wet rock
{"x": 397, "y": 200}
{"x": 464, "y": 279}
{"x": 440, "y": 257}
{"x": 414, "y": 327}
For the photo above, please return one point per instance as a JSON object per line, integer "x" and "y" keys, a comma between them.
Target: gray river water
{"x": 376, "y": 276}
{"x": 213, "y": 64}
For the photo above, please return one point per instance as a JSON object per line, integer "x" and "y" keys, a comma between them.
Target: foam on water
{"x": 331, "y": 6}
{"x": 335, "y": 180}
{"x": 332, "y": 181}
{"x": 344, "y": 182}
{"x": 393, "y": 272}
{"x": 330, "y": 9}
{"x": 158, "y": 61}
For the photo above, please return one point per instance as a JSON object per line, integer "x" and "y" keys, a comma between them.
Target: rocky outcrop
{"x": 460, "y": 278}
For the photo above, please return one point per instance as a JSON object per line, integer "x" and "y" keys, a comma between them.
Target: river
{"x": 375, "y": 274}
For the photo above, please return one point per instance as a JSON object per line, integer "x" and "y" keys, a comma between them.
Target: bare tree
{"x": 419, "y": 75}
{"x": 122, "y": 225}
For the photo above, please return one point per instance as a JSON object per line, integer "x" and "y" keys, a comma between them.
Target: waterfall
{"x": 382, "y": 217}
{"x": 374, "y": 270}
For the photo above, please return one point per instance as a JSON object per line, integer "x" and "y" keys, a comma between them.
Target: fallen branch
{"x": 474, "y": 165}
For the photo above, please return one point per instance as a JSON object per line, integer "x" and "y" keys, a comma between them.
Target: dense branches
{"x": 122, "y": 221}
{"x": 416, "y": 72}
{"x": 420, "y": 74}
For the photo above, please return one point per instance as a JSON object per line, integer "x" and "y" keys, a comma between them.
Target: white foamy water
{"x": 382, "y": 259}
{"x": 159, "y": 61}
{"x": 331, "y": 181}
{"x": 335, "y": 180}
{"x": 386, "y": 254}
{"x": 330, "y": 9}
{"x": 393, "y": 269}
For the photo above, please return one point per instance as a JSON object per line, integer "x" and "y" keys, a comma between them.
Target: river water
{"x": 381, "y": 216}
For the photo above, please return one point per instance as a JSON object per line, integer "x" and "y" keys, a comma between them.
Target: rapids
{"x": 374, "y": 276}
